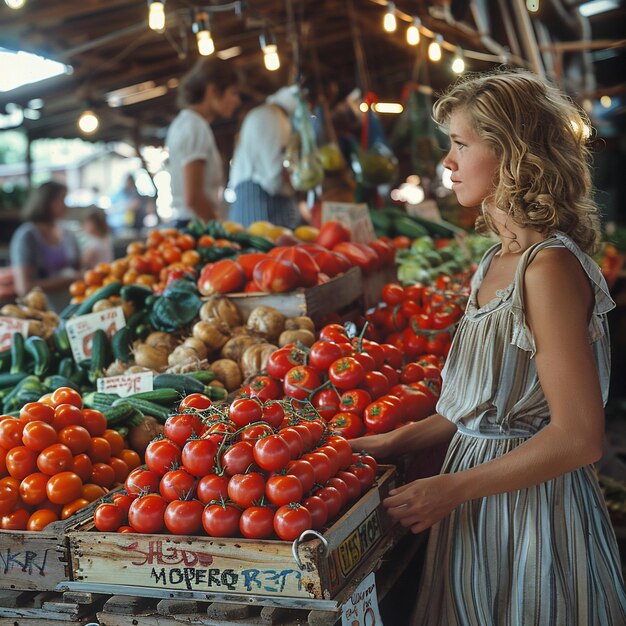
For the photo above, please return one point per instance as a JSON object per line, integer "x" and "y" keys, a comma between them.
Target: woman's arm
{"x": 424, "y": 434}
{"x": 559, "y": 301}
{"x": 195, "y": 198}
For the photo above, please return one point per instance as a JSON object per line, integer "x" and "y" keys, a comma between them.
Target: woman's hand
{"x": 422, "y": 503}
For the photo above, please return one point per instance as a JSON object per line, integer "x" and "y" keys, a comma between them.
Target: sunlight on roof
{"x": 22, "y": 68}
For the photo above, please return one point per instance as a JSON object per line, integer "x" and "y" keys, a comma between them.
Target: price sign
{"x": 355, "y": 216}
{"x": 127, "y": 384}
{"x": 8, "y": 327}
{"x": 80, "y": 330}
{"x": 361, "y": 609}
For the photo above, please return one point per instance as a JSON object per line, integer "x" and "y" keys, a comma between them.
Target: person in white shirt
{"x": 258, "y": 176}
{"x": 210, "y": 90}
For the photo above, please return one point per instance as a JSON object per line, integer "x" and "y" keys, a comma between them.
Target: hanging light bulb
{"x": 202, "y": 31}
{"x": 434, "y": 48}
{"x": 413, "y": 32}
{"x": 458, "y": 65}
{"x": 88, "y": 122}
{"x": 15, "y": 4}
{"x": 156, "y": 14}
{"x": 389, "y": 21}
{"x": 270, "y": 51}
{"x": 532, "y": 5}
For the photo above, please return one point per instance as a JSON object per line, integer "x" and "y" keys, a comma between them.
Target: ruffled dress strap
{"x": 522, "y": 336}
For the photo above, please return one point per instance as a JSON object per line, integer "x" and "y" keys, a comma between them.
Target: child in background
{"x": 98, "y": 247}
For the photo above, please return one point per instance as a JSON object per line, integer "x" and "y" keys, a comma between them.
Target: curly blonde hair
{"x": 539, "y": 135}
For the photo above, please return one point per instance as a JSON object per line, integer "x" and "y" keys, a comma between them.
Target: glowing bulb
{"x": 15, "y": 4}
{"x": 363, "y": 107}
{"x": 458, "y": 65}
{"x": 205, "y": 43}
{"x": 156, "y": 15}
{"x": 413, "y": 35}
{"x": 532, "y": 5}
{"x": 389, "y": 21}
{"x": 270, "y": 57}
{"x": 88, "y": 122}
{"x": 606, "y": 102}
{"x": 434, "y": 51}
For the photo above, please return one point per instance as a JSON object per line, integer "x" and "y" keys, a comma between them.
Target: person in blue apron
{"x": 258, "y": 176}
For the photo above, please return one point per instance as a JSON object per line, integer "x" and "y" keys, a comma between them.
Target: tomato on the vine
{"x": 283, "y": 489}
{"x": 303, "y": 471}
{"x": 197, "y": 401}
{"x": 212, "y": 487}
{"x": 326, "y": 401}
{"x": 238, "y": 458}
{"x": 257, "y": 522}
{"x": 264, "y": 388}
{"x": 272, "y": 453}
{"x": 346, "y": 373}
{"x": 346, "y": 424}
{"x": 291, "y": 520}
{"x": 177, "y": 484}
{"x": 182, "y": 426}
{"x": 282, "y": 360}
{"x": 244, "y": 411}
{"x": 246, "y": 489}
{"x": 318, "y": 509}
{"x": 108, "y": 517}
{"x": 354, "y": 401}
{"x": 300, "y": 381}
{"x": 323, "y": 353}
{"x": 141, "y": 481}
{"x": 198, "y": 456}
{"x": 221, "y": 520}
{"x": 183, "y": 517}
{"x": 146, "y": 513}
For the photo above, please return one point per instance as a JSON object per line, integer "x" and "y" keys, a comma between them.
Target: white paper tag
{"x": 8, "y": 327}
{"x": 80, "y": 330}
{"x": 361, "y": 609}
{"x": 355, "y": 216}
{"x": 126, "y": 384}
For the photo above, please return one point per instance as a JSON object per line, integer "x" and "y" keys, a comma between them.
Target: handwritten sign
{"x": 128, "y": 384}
{"x": 361, "y": 609}
{"x": 80, "y": 330}
{"x": 8, "y": 327}
{"x": 355, "y": 216}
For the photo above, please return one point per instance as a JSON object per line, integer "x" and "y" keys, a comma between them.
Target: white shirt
{"x": 190, "y": 138}
{"x": 261, "y": 149}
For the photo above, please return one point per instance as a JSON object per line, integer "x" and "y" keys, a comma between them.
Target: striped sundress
{"x": 254, "y": 204}
{"x": 541, "y": 556}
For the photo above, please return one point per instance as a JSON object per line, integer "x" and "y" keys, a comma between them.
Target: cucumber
{"x": 181, "y": 382}
{"x": 164, "y": 396}
{"x": 56, "y": 380}
{"x": 5, "y": 360}
{"x": 67, "y": 367}
{"x": 216, "y": 393}
{"x": 68, "y": 311}
{"x": 26, "y": 385}
{"x": 99, "y": 400}
{"x": 100, "y": 355}
{"x": 112, "y": 289}
{"x": 40, "y": 352}
{"x": 122, "y": 413}
{"x": 136, "y": 294}
{"x": 18, "y": 353}
{"x": 10, "y": 380}
{"x": 62, "y": 341}
{"x": 146, "y": 407}
{"x": 121, "y": 344}
{"x": 410, "y": 228}
{"x": 204, "y": 376}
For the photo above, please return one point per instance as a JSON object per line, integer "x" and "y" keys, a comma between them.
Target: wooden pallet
{"x": 32, "y": 608}
{"x": 151, "y": 611}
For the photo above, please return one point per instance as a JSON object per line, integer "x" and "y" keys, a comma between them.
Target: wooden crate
{"x": 316, "y": 302}
{"x": 37, "y": 561}
{"x": 232, "y": 568}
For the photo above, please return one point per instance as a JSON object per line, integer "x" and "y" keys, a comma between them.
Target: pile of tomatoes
{"x": 286, "y": 268}
{"x": 356, "y": 385}
{"x": 254, "y": 469}
{"x": 56, "y": 459}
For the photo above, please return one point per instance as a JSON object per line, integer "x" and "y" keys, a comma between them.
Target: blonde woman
{"x": 519, "y": 531}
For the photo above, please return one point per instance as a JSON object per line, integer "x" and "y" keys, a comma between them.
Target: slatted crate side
{"x": 373, "y": 285}
{"x": 316, "y": 302}
{"x": 234, "y": 567}
{"x": 37, "y": 561}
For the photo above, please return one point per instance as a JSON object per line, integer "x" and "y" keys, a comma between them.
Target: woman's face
{"x": 58, "y": 208}
{"x": 227, "y": 102}
{"x": 471, "y": 160}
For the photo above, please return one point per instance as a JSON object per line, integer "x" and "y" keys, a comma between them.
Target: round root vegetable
{"x": 227, "y": 372}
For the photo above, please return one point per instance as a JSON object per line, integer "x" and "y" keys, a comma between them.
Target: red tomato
{"x": 182, "y": 426}
{"x": 322, "y": 466}
{"x": 303, "y": 471}
{"x": 141, "y": 480}
{"x": 64, "y": 487}
{"x": 11, "y": 431}
{"x": 343, "y": 448}
{"x": 102, "y": 474}
{"x": 365, "y": 473}
{"x": 282, "y": 490}
{"x": 391, "y": 374}
{"x": 346, "y": 424}
{"x": 306, "y": 434}
{"x": 212, "y": 487}
{"x": 195, "y": 401}
{"x": 38, "y": 435}
{"x": 99, "y": 449}
{"x": 357, "y": 255}
{"x": 76, "y": 438}
{"x": 365, "y": 359}
{"x": 326, "y": 401}
{"x": 244, "y": 411}
{"x": 224, "y": 276}
{"x": 316, "y": 428}
{"x": 131, "y": 458}
{"x": 198, "y": 456}
{"x": 20, "y": 462}
{"x": 66, "y": 395}
{"x": 376, "y": 384}
{"x": 123, "y": 501}
{"x": 162, "y": 454}
{"x": 332, "y": 498}
{"x": 146, "y": 513}
{"x": 40, "y": 519}
{"x": 300, "y": 381}
{"x": 32, "y": 489}
{"x": 276, "y": 276}
{"x": 355, "y": 401}
{"x": 177, "y": 484}
{"x": 55, "y": 458}
{"x": 255, "y": 432}
{"x": 291, "y": 520}
{"x": 221, "y": 520}
{"x": 380, "y": 417}
{"x": 67, "y": 415}
{"x": 108, "y": 517}
{"x": 272, "y": 453}
{"x": 294, "y": 441}
{"x": 82, "y": 465}
{"x": 340, "y": 485}
{"x": 183, "y": 517}
{"x": 309, "y": 269}
{"x": 264, "y": 388}
{"x": 238, "y": 458}
{"x": 246, "y": 489}
{"x": 282, "y": 360}
{"x": 352, "y": 483}
{"x": 323, "y": 353}
{"x": 273, "y": 413}
{"x": 393, "y": 294}
{"x": 249, "y": 261}
{"x": 334, "y": 332}
{"x": 9, "y": 496}
{"x": 331, "y": 233}
{"x": 375, "y": 350}
{"x": 257, "y": 522}
{"x": 37, "y": 412}
{"x": 346, "y": 373}
{"x": 95, "y": 422}
{"x": 331, "y": 263}
{"x": 71, "y": 507}
{"x": 318, "y": 509}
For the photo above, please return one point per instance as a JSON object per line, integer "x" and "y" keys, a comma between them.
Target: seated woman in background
{"x": 98, "y": 247}
{"x": 43, "y": 252}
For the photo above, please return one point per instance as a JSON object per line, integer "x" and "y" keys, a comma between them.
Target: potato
{"x": 305, "y": 337}
{"x": 227, "y": 372}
